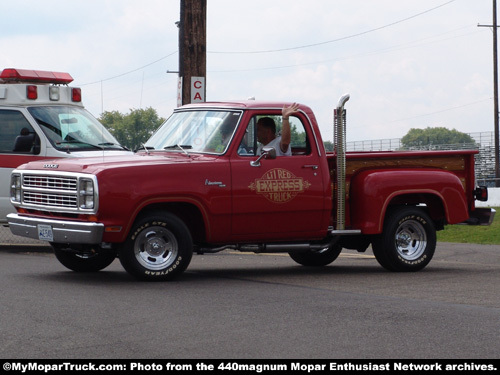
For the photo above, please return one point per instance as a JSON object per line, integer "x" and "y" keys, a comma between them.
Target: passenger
{"x": 266, "y": 132}
{"x": 225, "y": 131}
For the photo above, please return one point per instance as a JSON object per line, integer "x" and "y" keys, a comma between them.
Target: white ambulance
{"x": 41, "y": 117}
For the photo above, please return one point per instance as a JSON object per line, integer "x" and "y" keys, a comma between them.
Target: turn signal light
{"x": 31, "y": 92}
{"x": 115, "y": 229}
{"x": 76, "y": 94}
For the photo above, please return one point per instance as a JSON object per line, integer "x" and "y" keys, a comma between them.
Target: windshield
{"x": 206, "y": 131}
{"x": 73, "y": 129}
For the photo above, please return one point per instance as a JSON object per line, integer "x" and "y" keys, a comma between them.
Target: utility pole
{"x": 495, "y": 89}
{"x": 193, "y": 48}
{"x": 495, "y": 92}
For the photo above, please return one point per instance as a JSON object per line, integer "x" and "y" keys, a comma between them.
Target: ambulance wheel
{"x": 320, "y": 258}
{"x": 158, "y": 248}
{"x": 408, "y": 241}
{"x": 88, "y": 259}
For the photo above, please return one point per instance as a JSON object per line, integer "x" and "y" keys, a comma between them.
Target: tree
{"x": 134, "y": 128}
{"x": 329, "y": 146}
{"x": 435, "y": 136}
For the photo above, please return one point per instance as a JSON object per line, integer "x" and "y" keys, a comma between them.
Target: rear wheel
{"x": 408, "y": 241}
{"x": 159, "y": 247}
{"x": 91, "y": 258}
{"x": 320, "y": 258}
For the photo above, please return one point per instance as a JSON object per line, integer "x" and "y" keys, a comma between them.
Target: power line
{"x": 277, "y": 50}
{"x": 338, "y": 39}
{"x": 399, "y": 47}
{"x": 442, "y": 110}
{"x": 131, "y": 71}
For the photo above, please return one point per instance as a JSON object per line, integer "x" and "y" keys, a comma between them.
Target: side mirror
{"x": 267, "y": 153}
{"x": 36, "y": 145}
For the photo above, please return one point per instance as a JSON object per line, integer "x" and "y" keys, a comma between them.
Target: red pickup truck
{"x": 199, "y": 186}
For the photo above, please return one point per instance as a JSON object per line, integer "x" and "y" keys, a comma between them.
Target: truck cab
{"x": 41, "y": 117}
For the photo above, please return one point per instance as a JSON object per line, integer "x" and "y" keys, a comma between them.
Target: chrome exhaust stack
{"x": 339, "y": 138}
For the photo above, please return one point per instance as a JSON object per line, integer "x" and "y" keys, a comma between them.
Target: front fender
{"x": 371, "y": 193}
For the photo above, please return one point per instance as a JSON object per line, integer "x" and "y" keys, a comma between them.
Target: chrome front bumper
{"x": 59, "y": 231}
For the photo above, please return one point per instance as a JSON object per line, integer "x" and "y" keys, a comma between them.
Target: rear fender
{"x": 373, "y": 191}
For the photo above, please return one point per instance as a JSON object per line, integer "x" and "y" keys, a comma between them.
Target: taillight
{"x": 481, "y": 193}
{"x": 31, "y": 92}
{"x": 76, "y": 94}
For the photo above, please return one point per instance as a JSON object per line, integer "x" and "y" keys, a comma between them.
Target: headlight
{"x": 15, "y": 188}
{"x": 86, "y": 192}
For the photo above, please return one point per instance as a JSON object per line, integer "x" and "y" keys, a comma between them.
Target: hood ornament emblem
{"x": 51, "y": 166}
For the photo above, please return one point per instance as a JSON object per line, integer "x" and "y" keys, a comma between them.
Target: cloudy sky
{"x": 407, "y": 64}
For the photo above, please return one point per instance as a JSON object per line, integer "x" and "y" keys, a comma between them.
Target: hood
{"x": 93, "y": 165}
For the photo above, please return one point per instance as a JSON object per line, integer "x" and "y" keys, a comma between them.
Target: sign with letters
{"x": 179, "y": 92}
{"x": 197, "y": 89}
{"x": 279, "y": 185}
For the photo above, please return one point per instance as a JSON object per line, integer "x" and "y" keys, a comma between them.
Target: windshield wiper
{"x": 80, "y": 142}
{"x": 180, "y": 147}
{"x": 113, "y": 144}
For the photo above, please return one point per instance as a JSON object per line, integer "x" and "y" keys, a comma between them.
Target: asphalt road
{"x": 234, "y": 305}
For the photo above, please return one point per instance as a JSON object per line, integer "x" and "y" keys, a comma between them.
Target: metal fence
{"x": 484, "y": 142}
{"x": 482, "y": 139}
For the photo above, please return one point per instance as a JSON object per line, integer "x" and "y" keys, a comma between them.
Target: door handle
{"x": 310, "y": 166}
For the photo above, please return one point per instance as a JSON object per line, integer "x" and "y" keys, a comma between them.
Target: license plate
{"x": 45, "y": 232}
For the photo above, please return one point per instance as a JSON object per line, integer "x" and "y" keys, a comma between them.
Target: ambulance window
{"x": 73, "y": 129}
{"x": 16, "y": 133}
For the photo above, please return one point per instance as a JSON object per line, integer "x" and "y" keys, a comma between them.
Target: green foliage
{"x": 298, "y": 137}
{"x": 435, "y": 136}
{"x": 487, "y": 235}
{"x": 329, "y": 146}
{"x": 134, "y": 128}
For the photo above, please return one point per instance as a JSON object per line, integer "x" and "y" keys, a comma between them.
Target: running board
{"x": 345, "y": 232}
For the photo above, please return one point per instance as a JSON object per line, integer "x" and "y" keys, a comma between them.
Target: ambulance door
{"x": 19, "y": 144}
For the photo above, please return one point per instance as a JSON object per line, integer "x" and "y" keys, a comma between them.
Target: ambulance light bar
{"x": 24, "y": 75}
{"x": 54, "y": 95}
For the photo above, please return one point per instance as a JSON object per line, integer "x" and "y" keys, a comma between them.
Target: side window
{"x": 248, "y": 145}
{"x": 16, "y": 133}
{"x": 299, "y": 143}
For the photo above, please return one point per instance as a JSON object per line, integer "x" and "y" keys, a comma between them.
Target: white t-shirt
{"x": 276, "y": 144}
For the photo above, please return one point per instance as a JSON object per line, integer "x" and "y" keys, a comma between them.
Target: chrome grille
{"x": 52, "y": 191}
{"x": 50, "y": 182}
{"x": 54, "y": 200}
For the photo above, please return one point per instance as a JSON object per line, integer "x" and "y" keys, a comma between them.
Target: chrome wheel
{"x": 411, "y": 240}
{"x": 156, "y": 248}
{"x": 159, "y": 247}
{"x": 408, "y": 240}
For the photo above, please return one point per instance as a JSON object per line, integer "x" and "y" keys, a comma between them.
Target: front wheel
{"x": 159, "y": 247}
{"x": 408, "y": 241}
{"x": 89, "y": 259}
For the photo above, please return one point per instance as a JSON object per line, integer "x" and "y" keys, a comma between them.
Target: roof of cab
{"x": 241, "y": 104}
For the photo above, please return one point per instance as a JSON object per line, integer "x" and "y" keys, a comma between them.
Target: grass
{"x": 485, "y": 235}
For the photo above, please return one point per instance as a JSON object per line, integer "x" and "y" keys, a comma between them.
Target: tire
{"x": 321, "y": 258}
{"x": 91, "y": 259}
{"x": 159, "y": 247}
{"x": 408, "y": 241}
